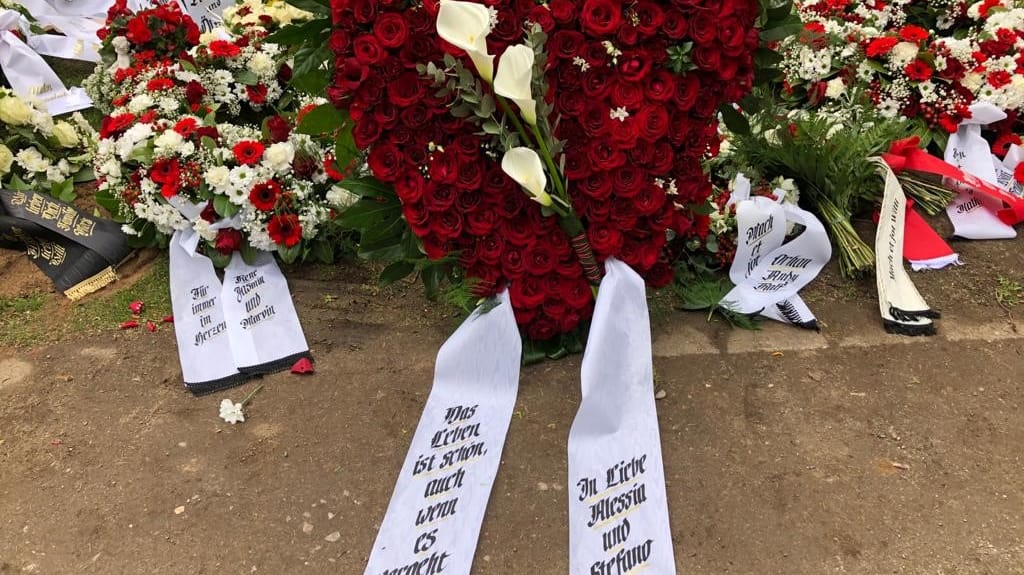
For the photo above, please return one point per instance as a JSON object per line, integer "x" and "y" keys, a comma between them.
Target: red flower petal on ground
{"x": 150, "y": 326}
{"x": 248, "y": 152}
{"x": 303, "y": 366}
{"x": 168, "y": 319}
{"x": 130, "y": 324}
{"x": 136, "y": 307}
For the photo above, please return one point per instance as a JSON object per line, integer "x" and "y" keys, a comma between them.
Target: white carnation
{"x": 278, "y": 157}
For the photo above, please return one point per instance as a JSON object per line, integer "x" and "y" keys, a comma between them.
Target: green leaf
{"x": 16, "y": 183}
{"x": 395, "y": 272}
{"x": 295, "y": 34}
{"x": 432, "y": 276}
{"x": 323, "y": 251}
{"x": 108, "y": 202}
{"x": 249, "y": 253}
{"x": 781, "y": 32}
{"x": 367, "y": 187}
{"x": 313, "y": 83}
{"x": 223, "y": 206}
{"x": 779, "y": 13}
{"x": 322, "y": 119}
{"x": 143, "y": 155}
{"x": 86, "y": 174}
{"x": 246, "y": 77}
{"x": 734, "y": 120}
{"x": 219, "y": 260}
{"x": 289, "y": 255}
{"x": 315, "y": 6}
{"x": 368, "y": 213}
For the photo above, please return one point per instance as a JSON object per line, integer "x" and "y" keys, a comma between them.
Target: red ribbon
{"x": 906, "y": 154}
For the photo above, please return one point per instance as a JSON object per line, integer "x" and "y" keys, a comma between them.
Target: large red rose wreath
{"x": 634, "y": 87}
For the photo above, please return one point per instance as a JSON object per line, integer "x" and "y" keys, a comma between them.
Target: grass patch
{"x": 1008, "y": 292}
{"x": 21, "y": 319}
{"x": 106, "y": 313}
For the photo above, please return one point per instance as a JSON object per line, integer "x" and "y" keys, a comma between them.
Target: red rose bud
{"x": 209, "y": 213}
{"x": 228, "y": 241}
{"x": 150, "y": 326}
{"x": 130, "y": 324}
{"x": 168, "y": 319}
{"x": 303, "y": 366}
{"x": 279, "y": 129}
{"x": 284, "y": 75}
{"x": 136, "y": 307}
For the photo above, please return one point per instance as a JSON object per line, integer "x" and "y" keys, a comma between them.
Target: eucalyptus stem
{"x": 514, "y": 117}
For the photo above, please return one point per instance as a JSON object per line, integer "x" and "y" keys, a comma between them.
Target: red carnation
{"x": 248, "y": 152}
{"x": 114, "y": 125}
{"x": 881, "y": 46}
{"x": 138, "y": 32}
{"x": 263, "y": 196}
{"x": 912, "y": 33}
{"x": 224, "y": 49}
{"x": 285, "y": 230}
{"x": 157, "y": 84}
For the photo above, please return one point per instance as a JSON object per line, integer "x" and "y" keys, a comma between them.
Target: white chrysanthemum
{"x": 140, "y": 103}
{"x": 261, "y": 64}
{"x": 219, "y": 178}
{"x": 903, "y": 53}
{"x": 42, "y": 122}
{"x": 242, "y": 180}
{"x": 167, "y": 144}
{"x": 31, "y": 160}
{"x": 888, "y": 108}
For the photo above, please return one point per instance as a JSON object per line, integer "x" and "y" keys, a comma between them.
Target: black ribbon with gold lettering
{"x": 77, "y": 251}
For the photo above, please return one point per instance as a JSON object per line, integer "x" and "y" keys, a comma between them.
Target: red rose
{"x": 605, "y": 239}
{"x": 540, "y": 258}
{"x": 406, "y": 90}
{"x": 363, "y": 11}
{"x": 368, "y": 50}
{"x": 703, "y": 29}
{"x": 263, "y": 195}
{"x": 649, "y": 17}
{"x": 285, "y": 230}
{"x": 385, "y": 161}
{"x": 209, "y": 213}
{"x": 675, "y": 25}
{"x": 447, "y": 225}
{"x": 339, "y": 41}
{"x": 228, "y": 241}
{"x": 491, "y": 248}
{"x": 542, "y": 328}
{"x": 390, "y": 30}
{"x": 707, "y": 58}
{"x": 653, "y": 122}
{"x": 248, "y": 152}
{"x": 601, "y": 17}
{"x": 278, "y": 128}
{"x": 604, "y": 156}
{"x": 138, "y": 31}
{"x": 409, "y": 186}
{"x": 257, "y": 94}
{"x": 595, "y": 186}
{"x": 660, "y": 275}
{"x": 527, "y": 292}
{"x": 563, "y": 11}
{"x": 481, "y": 222}
{"x": 512, "y": 262}
{"x": 635, "y": 65}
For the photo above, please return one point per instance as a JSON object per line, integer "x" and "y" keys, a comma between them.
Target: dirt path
{"x": 786, "y": 452}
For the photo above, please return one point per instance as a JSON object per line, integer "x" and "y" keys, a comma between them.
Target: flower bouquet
{"x": 923, "y": 61}
{"x": 40, "y": 154}
{"x": 217, "y": 129}
{"x": 600, "y": 110}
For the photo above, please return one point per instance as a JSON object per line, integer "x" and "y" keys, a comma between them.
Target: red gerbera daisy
{"x": 264, "y": 195}
{"x": 881, "y": 46}
{"x": 186, "y": 126}
{"x": 918, "y": 70}
{"x": 257, "y": 94}
{"x": 157, "y": 84}
{"x": 113, "y": 125}
{"x": 285, "y": 230}
{"x": 248, "y": 152}
{"x": 165, "y": 171}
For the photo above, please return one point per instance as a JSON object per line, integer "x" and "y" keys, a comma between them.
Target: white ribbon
{"x": 433, "y": 521}
{"x": 618, "y": 509}
{"x": 903, "y": 309}
{"x": 974, "y": 215}
{"x": 1004, "y": 170}
{"x": 29, "y": 75}
{"x": 264, "y": 329}
{"x": 199, "y": 324}
{"x": 79, "y": 41}
{"x": 767, "y": 273}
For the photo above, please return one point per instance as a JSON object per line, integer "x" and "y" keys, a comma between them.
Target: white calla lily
{"x": 466, "y": 26}
{"x": 524, "y": 166}
{"x": 514, "y": 78}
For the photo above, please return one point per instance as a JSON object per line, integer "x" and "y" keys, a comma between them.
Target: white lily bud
{"x": 524, "y": 166}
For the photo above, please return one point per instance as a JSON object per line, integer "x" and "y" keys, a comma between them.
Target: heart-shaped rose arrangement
{"x": 633, "y": 93}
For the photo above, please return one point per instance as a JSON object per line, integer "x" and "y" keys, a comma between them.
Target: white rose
{"x": 835, "y": 88}
{"x": 6, "y": 159}
{"x": 14, "y": 112}
{"x": 279, "y": 156}
{"x": 66, "y": 134}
